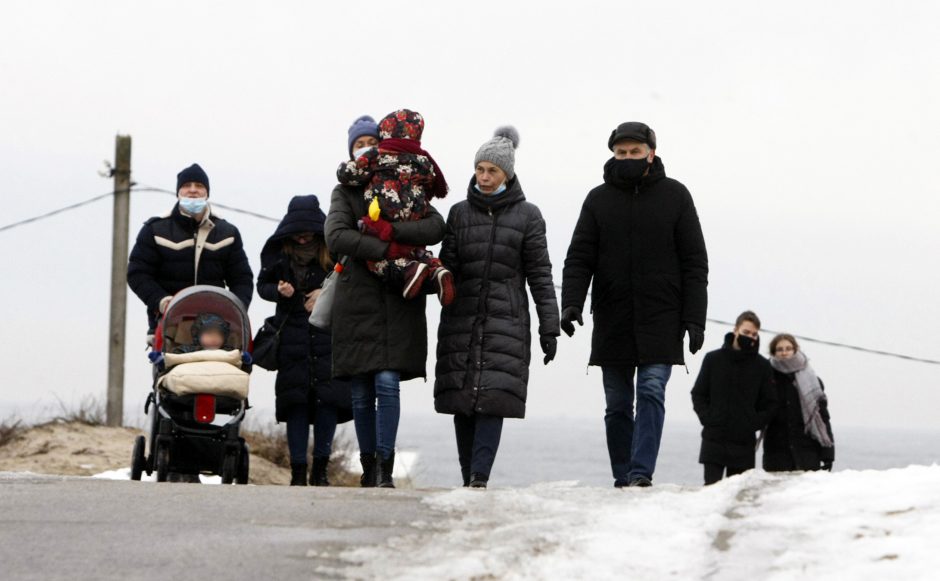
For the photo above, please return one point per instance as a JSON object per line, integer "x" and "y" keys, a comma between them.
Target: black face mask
{"x": 626, "y": 172}
{"x": 747, "y": 344}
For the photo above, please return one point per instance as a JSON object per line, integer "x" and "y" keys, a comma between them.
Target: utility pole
{"x": 122, "y": 205}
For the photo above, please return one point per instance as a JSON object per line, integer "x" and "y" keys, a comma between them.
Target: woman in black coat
{"x": 294, "y": 262}
{"x": 379, "y": 338}
{"x": 495, "y": 243}
{"x": 799, "y": 436}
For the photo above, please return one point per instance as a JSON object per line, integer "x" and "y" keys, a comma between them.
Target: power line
{"x": 831, "y": 343}
{"x": 145, "y": 188}
{"x": 54, "y": 212}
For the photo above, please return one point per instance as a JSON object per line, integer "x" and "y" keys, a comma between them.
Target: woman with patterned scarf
{"x": 799, "y": 437}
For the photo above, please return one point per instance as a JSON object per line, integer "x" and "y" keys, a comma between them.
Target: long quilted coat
{"x": 493, "y": 246}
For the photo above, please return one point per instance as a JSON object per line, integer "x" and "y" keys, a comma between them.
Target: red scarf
{"x": 439, "y": 188}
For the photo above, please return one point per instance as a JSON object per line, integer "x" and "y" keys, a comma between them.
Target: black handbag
{"x": 267, "y": 343}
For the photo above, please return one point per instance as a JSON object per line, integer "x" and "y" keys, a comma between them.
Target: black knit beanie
{"x": 193, "y": 173}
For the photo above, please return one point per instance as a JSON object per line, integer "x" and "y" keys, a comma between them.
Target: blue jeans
{"x": 376, "y": 409}
{"x": 633, "y": 443}
{"x": 298, "y": 432}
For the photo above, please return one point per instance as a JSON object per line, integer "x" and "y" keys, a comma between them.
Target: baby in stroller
{"x": 201, "y": 368}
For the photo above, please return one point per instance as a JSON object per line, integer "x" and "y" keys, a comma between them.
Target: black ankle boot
{"x": 318, "y": 472}
{"x": 478, "y": 480}
{"x": 368, "y": 470}
{"x": 384, "y": 473}
{"x": 298, "y": 474}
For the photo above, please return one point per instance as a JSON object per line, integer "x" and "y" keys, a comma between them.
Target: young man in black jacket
{"x": 734, "y": 397}
{"x": 638, "y": 241}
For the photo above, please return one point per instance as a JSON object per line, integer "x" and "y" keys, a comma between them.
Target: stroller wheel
{"x": 228, "y": 467}
{"x": 162, "y": 461}
{"x": 242, "y": 477}
{"x": 137, "y": 458}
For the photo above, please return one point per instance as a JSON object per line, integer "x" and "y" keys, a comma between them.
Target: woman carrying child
{"x": 379, "y": 337}
{"x": 495, "y": 244}
{"x": 294, "y": 262}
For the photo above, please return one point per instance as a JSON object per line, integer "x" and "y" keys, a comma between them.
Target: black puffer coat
{"x": 164, "y": 259}
{"x": 494, "y": 244}
{"x": 734, "y": 397}
{"x": 787, "y": 446}
{"x": 374, "y": 327}
{"x": 304, "y": 355}
{"x": 644, "y": 250}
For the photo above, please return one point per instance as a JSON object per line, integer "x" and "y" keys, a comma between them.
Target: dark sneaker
{"x": 621, "y": 483}
{"x": 640, "y": 482}
{"x": 415, "y": 274}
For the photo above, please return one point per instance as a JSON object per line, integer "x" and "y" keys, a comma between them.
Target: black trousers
{"x": 715, "y": 472}
{"x": 477, "y": 442}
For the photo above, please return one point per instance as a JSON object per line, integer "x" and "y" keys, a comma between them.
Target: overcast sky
{"x": 807, "y": 132}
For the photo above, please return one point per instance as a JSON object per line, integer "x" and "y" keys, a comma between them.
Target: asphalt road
{"x": 82, "y": 528}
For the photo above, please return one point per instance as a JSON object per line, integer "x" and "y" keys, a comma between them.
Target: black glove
{"x": 569, "y": 314}
{"x": 549, "y": 347}
{"x": 696, "y": 337}
{"x": 827, "y": 465}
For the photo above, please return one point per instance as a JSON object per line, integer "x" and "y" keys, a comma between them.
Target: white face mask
{"x": 193, "y": 206}
{"x": 358, "y": 153}
{"x": 499, "y": 190}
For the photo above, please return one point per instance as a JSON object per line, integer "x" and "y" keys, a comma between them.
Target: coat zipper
{"x": 481, "y": 309}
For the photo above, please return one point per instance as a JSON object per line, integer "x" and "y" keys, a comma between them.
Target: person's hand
{"x": 549, "y": 347}
{"x": 568, "y": 316}
{"x": 285, "y": 289}
{"x": 696, "y": 337}
{"x": 381, "y": 229}
{"x": 827, "y": 465}
{"x": 311, "y": 300}
{"x": 396, "y": 250}
{"x": 164, "y": 302}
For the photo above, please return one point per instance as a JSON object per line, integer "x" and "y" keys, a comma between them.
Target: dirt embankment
{"x": 76, "y": 449}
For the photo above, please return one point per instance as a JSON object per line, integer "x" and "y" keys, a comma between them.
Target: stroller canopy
{"x": 176, "y": 327}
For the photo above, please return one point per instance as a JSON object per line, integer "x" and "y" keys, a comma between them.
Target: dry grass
{"x": 11, "y": 429}
{"x": 90, "y": 411}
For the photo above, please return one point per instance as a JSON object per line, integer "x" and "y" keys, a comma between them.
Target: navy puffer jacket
{"x": 175, "y": 252}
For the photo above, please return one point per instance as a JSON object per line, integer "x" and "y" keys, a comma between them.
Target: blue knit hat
{"x": 193, "y": 173}
{"x": 364, "y": 125}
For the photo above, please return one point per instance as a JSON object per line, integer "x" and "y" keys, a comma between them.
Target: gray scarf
{"x": 810, "y": 392}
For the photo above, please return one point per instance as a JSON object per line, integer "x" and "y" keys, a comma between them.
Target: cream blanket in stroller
{"x": 213, "y": 371}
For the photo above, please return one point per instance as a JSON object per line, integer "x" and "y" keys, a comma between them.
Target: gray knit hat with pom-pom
{"x": 500, "y": 150}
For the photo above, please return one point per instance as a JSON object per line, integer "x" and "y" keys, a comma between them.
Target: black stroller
{"x": 191, "y": 389}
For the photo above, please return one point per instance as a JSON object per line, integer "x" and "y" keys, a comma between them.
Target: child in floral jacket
{"x": 400, "y": 178}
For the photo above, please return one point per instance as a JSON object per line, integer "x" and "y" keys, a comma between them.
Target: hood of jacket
{"x": 303, "y": 215}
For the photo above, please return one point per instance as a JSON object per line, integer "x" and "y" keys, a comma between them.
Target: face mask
{"x": 625, "y": 171}
{"x": 499, "y": 190}
{"x": 747, "y": 343}
{"x": 193, "y": 206}
{"x": 358, "y": 153}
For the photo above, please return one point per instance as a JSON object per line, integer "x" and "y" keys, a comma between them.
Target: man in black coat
{"x": 639, "y": 239}
{"x": 188, "y": 246}
{"x": 734, "y": 397}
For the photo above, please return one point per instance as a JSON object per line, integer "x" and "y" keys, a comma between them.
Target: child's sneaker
{"x": 442, "y": 282}
{"x": 415, "y": 275}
